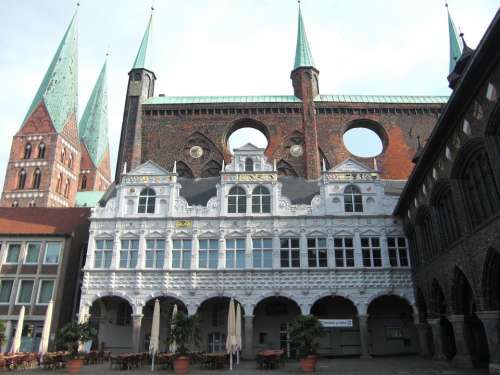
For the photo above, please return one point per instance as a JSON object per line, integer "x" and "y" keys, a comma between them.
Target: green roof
{"x": 303, "y": 55}
{"x": 143, "y": 58}
{"x": 456, "y": 45}
{"x": 59, "y": 86}
{"x": 88, "y": 198}
{"x": 93, "y": 127}
{"x": 391, "y": 99}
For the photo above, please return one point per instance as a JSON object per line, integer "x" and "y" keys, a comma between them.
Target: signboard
{"x": 183, "y": 223}
{"x": 336, "y": 323}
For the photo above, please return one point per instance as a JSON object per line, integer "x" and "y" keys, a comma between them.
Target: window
{"x": 181, "y": 254}
{"x": 102, "y": 253}
{"x": 248, "y": 165}
{"x": 15, "y": 204}
{"x": 261, "y": 200}
{"x": 353, "y": 200}
{"x": 137, "y": 76}
{"x": 41, "y": 151}
{"x": 27, "y": 151}
{"x": 45, "y": 291}
{"x": 216, "y": 342}
{"x": 235, "y": 253}
{"x": 63, "y": 153}
{"x": 370, "y": 247}
{"x": 21, "y": 180}
{"x": 427, "y": 241}
{"x": 5, "y": 290}
{"x": 208, "y": 254}
{"x": 37, "y": 177}
{"x": 289, "y": 252}
{"x": 237, "y": 201}
{"x": 344, "y": 251}
{"x": 24, "y": 292}
{"x": 32, "y": 253}
{"x": 398, "y": 253}
{"x": 13, "y": 253}
{"x": 147, "y": 201}
{"x": 262, "y": 253}
{"x": 128, "y": 253}
{"x": 316, "y": 252}
{"x": 31, "y": 203}
{"x": 83, "y": 184}
{"x": 155, "y": 253}
{"x": 70, "y": 161}
{"x": 52, "y": 252}
{"x": 59, "y": 183}
{"x": 393, "y": 333}
{"x": 447, "y": 217}
{"x": 66, "y": 188}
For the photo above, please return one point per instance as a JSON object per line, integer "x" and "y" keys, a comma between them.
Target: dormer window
{"x": 248, "y": 165}
{"x": 147, "y": 201}
{"x": 237, "y": 201}
{"x": 353, "y": 200}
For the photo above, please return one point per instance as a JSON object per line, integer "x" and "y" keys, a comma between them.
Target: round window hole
{"x": 363, "y": 142}
{"x": 246, "y": 135}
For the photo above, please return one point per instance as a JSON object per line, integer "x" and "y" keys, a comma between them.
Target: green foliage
{"x": 305, "y": 332}
{"x": 2, "y": 332}
{"x": 185, "y": 331}
{"x": 72, "y": 334}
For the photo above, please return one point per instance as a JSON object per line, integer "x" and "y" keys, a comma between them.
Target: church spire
{"x": 59, "y": 87}
{"x": 456, "y": 44}
{"x": 303, "y": 55}
{"x": 143, "y": 58}
{"x": 93, "y": 127}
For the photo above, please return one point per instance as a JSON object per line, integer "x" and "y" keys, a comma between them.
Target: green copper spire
{"x": 456, "y": 45}
{"x": 59, "y": 88}
{"x": 303, "y": 55}
{"x": 143, "y": 58}
{"x": 93, "y": 127}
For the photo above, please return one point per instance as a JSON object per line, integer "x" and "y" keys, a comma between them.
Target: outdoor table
{"x": 215, "y": 360}
{"x": 165, "y": 359}
{"x": 269, "y": 359}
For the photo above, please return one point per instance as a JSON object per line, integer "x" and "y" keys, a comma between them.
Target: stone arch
{"x": 285, "y": 169}
{"x": 183, "y": 170}
{"x": 372, "y": 125}
{"x": 421, "y": 306}
{"x": 211, "y": 169}
{"x": 245, "y": 123}
{"x": 380, "y": 294}
{"x": 467, "y": 150}
{"x": 438, "y": 299}
{"x": 492, "y": 127}
{"x": 283, "y": 294}
{"x": 200, "y": 142}
{"x": 99, "y": 295}
{"x": 153, "y": 295}
{"x": 491, "y": 280}
{"x": 463, "y": 296}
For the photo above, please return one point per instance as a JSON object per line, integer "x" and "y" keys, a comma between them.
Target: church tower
{"x": 305, "y": 86}
{"x": 95, "y": 172}
{"x": 140, "y": 87}
{"x": 44, "y": 161}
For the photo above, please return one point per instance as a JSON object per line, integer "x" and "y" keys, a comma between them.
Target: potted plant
{"x": 305, "y": 332}
{"x": 69, "y": 337}
{"x": 184, "y": 331}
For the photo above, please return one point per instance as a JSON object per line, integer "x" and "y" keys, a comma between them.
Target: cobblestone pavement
{"x": 353, "y": 366}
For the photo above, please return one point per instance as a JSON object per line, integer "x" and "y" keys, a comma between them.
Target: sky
{"x": 232, "y": 47}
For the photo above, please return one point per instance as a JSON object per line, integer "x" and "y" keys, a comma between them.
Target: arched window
{"x": 248, "y": 165}
{"x": 27, "y": 151}
{"x": 32, "y": 203}
{"x": 59, "y": 183}
{"x": 426, "y": 236}
{"x": 63, "y": 154}
{"x": 447, "y": 216}
{"x": 66, "y": 188}
{"x": 237, "y": 201}
{"x": 353, "y": 200}
{"x": 70, "y": 161}
{"x": 261, "y": 200}
{"x": 147, "y": 201}
{"x": 41, "y": 151}
{"x": 479, "y": 188}
{"x": 21, "y": 180}
{"x": 37, "y": 177}
{"x": 15, "y": 204}
{"x": 83, "y": 184}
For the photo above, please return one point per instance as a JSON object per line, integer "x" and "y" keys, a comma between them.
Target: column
{"x": 249, "y": 203}
{"x": 141, "y": 255}
{"x": 303, "y": 249}
{"x": 330, "y": 250}
{"x": 248, "y": 344}
{"x": 7, "y": 336}
{"x": 463, "y": 357}
{"x": 136, "y": 332}
{"x": 491, "y": 325}
{"x": 248, "y": 250}
{"x": 115, "y": 260}
{"x": 83, "y": 315}
{"x": 358, "y": 254}
{"x": 437, "y": 339}
{"x": 222, "y": 251}
{"x": 363, "y": 335}
{"x": 423, "y": 331}
{"x": 195, "y": 250}
{"x": 276, "y": 249}
{"x": 168, "y": 250}
{"x": 384, "y": 251}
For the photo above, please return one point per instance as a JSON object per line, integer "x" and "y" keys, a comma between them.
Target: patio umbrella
{"x": 154, "y": 341}
{"x": 238, "y": 333}
{"x": 231, "y": 333}
{"x": 44, "y": 340}
{"x": 173, "y": 344}
{"x": 16, "y": 343}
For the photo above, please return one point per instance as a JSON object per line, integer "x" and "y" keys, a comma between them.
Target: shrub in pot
{"x": 69, "y": 337}
{"x": 304, "y": 333}
{"x": 184, "y": 331}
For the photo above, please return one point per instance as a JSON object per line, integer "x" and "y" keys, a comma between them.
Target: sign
{"x": 251, "y": 177}
{"x": 336, "y": 323}
{"x": 183, "y": 223}
{"x": 350, "y": 176}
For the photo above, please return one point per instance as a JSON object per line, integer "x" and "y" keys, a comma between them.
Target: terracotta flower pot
{"x": 181, "y": 365}
{"x": 74, "y": 365}
{"x": 308, "y": 364}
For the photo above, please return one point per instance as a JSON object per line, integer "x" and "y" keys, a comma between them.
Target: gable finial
{"x": 324, "y": 165}
{"x": 223, "y": 165}
{"x": 375, "y": 166}
{"x": 274, "y": 161}
{"x": 124, "y": 168}
{"x": 174, "y": 169}
{"x": 456, "y": 44}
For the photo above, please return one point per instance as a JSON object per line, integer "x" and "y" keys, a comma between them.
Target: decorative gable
{"x": 351, "y": 165}
{"x": 149, "y": 168}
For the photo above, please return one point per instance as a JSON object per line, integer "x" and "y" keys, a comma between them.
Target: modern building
{"x": 53, "y": 158}
{"x": 41, "y": 255}
{"x": 451, "y": 211}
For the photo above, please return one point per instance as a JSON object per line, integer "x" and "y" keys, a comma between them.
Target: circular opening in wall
{"x": 363, "y": 142}
{"x": 244, "y": 135}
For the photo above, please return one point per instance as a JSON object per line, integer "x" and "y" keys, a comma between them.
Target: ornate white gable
{"x": 149, "y": 168}
{"x": 351, "y": 165}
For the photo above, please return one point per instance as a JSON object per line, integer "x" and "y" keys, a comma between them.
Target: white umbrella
{"x": 154, "y": 341}
{"x": 231, "y": 333}
{"x": 16, "y": 343}
{"x": 173, "y": 344}
{"x": 238, "y": 333}
{"x": 44, "y": 341}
